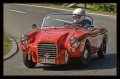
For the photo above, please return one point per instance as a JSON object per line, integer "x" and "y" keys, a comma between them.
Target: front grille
{"x": 46, "y": 47}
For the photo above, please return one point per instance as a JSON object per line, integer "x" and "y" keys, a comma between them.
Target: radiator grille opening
{"x": 45, "y": 47}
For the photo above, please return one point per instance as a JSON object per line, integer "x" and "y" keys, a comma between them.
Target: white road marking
{"x": 17, "y": 11}
{"x": 98, "y": 14}
{"x": 63, "y": 20}
{"x": 63, "y": 9}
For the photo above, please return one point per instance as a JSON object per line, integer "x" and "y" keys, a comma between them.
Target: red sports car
{"x": 58, "y": 41}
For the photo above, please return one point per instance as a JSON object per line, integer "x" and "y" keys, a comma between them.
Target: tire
{"x": 80, "y": 62}
{"x": 101, "y": 53}
{"x": 28, "y": 63}
{"x": 86, "y": 56}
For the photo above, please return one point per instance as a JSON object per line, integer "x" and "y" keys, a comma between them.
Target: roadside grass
{"x": 6, "y": 44}
{"x": 60, "y": 5}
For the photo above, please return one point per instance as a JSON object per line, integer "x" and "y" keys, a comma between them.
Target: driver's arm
{"x": 87, "y": 23}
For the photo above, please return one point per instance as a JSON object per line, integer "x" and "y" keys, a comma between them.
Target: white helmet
{"x": 77, "y": 19}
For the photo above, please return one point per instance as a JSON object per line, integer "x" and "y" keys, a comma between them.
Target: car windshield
{"x": 57, "y": 20}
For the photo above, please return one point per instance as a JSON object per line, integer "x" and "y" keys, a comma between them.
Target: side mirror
{"x": 34, "y": 26}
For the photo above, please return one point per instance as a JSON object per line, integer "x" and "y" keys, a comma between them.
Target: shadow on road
{"x": 108, "y": 62}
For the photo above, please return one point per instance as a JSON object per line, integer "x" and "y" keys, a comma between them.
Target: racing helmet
{"x": 77, "y": 19}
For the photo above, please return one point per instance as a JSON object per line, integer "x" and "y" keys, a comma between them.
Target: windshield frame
{"x": 64, "y": 14}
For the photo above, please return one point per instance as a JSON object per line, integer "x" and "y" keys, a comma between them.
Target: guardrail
{"x": 109, "y": 3}
{"x": 84, "y": 6}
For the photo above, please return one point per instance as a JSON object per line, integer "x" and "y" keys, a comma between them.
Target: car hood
{"x": 53, "y": 35}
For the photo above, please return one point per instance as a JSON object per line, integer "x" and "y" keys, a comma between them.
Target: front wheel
{"x": 86, "y": 56}
{"x": 28, "y": 63}
{"x": 84, "y": 59}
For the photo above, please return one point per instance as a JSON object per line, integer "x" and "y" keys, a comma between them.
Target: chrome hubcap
{"x": 85, "y": 54}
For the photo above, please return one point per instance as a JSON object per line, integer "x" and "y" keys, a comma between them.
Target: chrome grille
{"x": 45, "y": 47}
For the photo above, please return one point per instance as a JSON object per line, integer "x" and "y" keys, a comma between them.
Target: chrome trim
{"x": 47, "y": 47}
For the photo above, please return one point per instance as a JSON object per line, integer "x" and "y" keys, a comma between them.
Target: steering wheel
{"x": 77, "y": 26}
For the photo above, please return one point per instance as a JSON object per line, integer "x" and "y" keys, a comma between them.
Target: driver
{"x": 80, "y": 19}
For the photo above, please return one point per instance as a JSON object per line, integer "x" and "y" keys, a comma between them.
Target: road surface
{"x": 18, "y": 20}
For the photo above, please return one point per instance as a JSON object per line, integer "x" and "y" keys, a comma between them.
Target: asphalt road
{"x": 18, "y": 20}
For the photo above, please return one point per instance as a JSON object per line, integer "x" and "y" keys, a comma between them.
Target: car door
{"x": 93, "y": 40}
{"x": 98, "y": 38}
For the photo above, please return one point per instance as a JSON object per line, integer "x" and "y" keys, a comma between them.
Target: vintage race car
{"x": 59, "y": 40}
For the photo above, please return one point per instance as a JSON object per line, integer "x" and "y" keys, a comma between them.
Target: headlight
{"x": 74, "y": 42}
{"x": 24, "y": 39}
